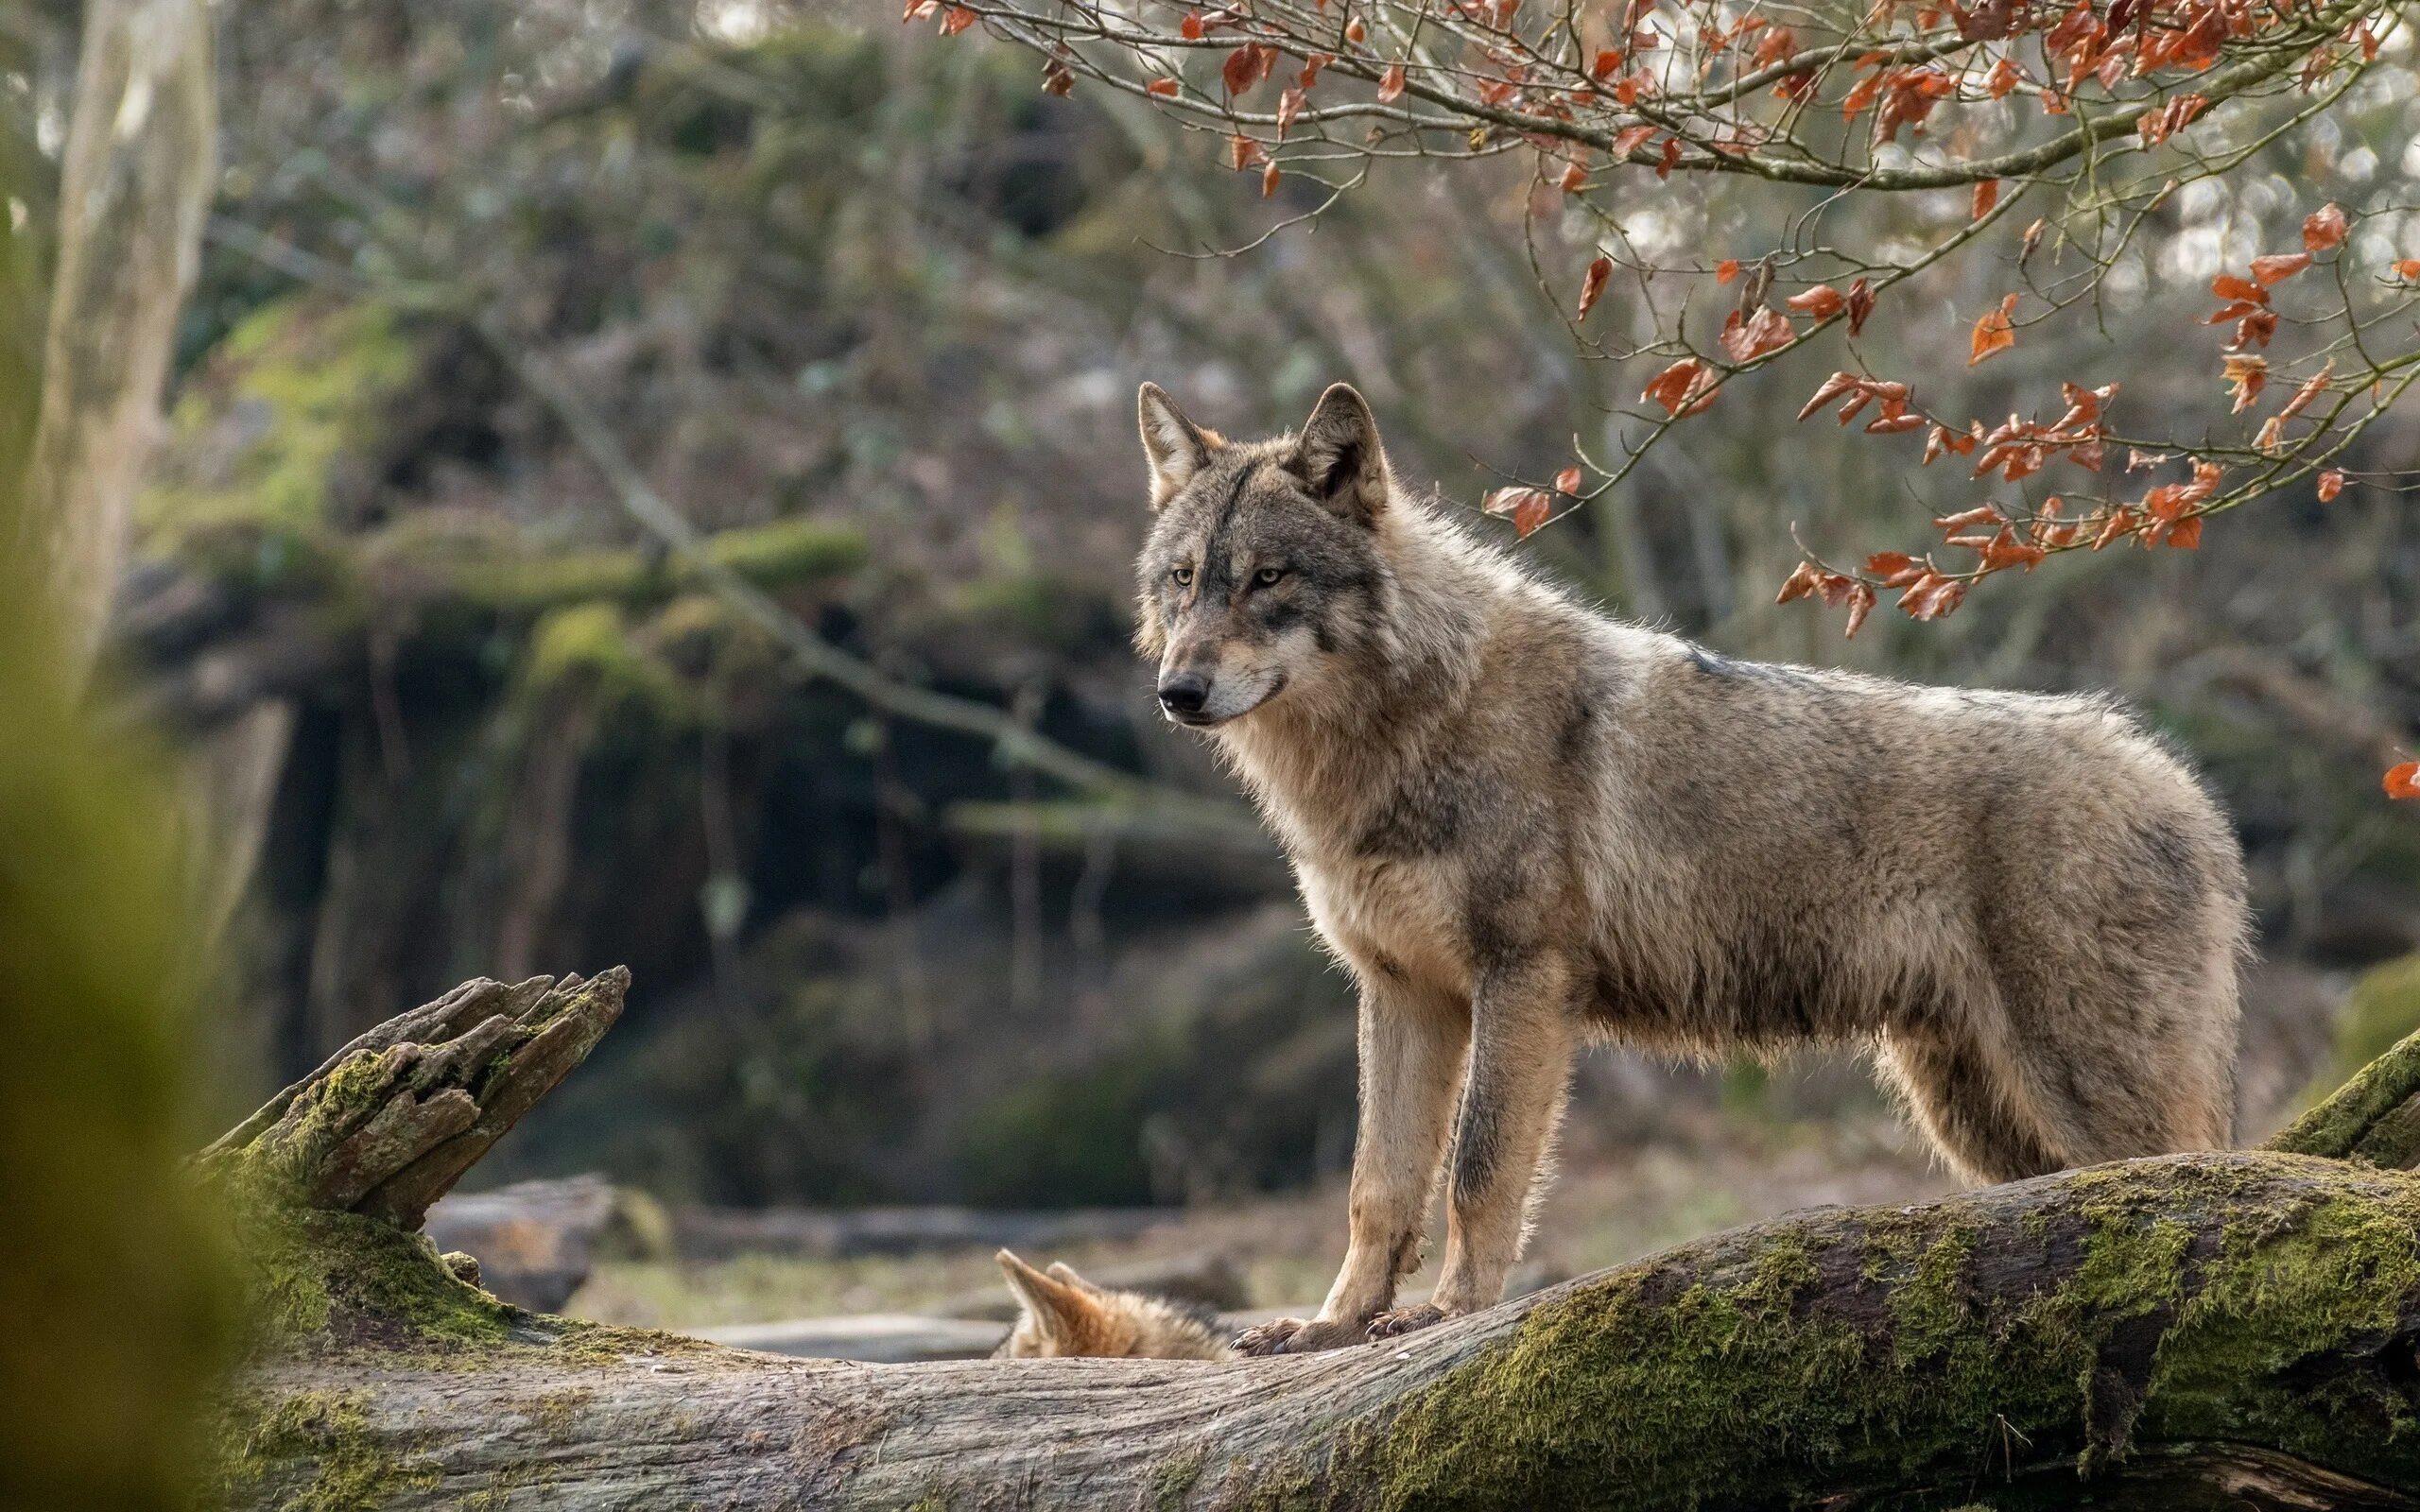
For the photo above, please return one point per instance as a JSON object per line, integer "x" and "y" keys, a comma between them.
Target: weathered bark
{"x": 389, "y": 1123}
{"x": 2237, "y": 1329}
{"x": 133, "y": 189}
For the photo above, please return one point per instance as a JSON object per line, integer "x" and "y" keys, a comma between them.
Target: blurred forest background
{"x": 869, "y": 308}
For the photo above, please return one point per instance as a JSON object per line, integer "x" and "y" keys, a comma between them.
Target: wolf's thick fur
{"x": 1059, "y": 1314}
{"x": 1522, "y": 824}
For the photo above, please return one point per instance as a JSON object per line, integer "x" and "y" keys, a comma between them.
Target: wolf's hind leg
{"x": 1412, "y": 1050}
{"x": 2152, "y": 1074}
{"x": 1971, "y": 1102}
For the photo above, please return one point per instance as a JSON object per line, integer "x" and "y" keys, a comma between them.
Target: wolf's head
{"x": 1266, "y": 561}
{"x": 1060, "y": 1314}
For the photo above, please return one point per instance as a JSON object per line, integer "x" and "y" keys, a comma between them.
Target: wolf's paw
{"x": 1405, "y": 1320}
{"x": 1295, "y": 1335}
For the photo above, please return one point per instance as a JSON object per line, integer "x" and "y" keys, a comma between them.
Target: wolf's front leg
{"x": 1520, "y": 1066}
{"x": 1412, "y": 1045}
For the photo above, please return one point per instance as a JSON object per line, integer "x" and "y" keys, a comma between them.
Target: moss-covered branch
{"x": 392, "y": 1120}
{"x": 2177, "y": 1331}
{"x": 2374, "y": 1117}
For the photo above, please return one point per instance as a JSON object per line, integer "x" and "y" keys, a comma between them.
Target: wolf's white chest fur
{"x": 1392, "y": 917}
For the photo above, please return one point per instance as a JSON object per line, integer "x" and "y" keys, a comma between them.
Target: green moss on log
{"x": 352, "y": 1277}
{"x": 312, "y": 1452}
{"x": 1867, "y": 1346}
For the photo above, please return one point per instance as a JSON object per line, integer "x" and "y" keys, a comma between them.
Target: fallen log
{"x": 534, "y": 1241}
{"x": 2239, "y": 1329}
{"x": 834, "y": 1233}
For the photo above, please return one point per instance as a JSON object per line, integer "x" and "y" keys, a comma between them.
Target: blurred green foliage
{"x": 2381, "y": 1011}
{"x": 113, "y": 1308}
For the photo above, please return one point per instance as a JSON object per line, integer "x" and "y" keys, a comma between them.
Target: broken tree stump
{"x": 2234, "y": 1328}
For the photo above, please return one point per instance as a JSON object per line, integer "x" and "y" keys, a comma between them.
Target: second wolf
{"x": 1523, "y": 824}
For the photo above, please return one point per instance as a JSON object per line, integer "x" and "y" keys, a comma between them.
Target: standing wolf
{"x": 1524, "y": 824}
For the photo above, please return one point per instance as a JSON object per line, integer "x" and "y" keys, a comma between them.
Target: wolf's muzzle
{"x": 1183, "y": 694}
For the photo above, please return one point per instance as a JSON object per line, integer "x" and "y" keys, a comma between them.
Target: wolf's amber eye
{"x": 1183, "y": 577}
{"x": 1268, "y": 576}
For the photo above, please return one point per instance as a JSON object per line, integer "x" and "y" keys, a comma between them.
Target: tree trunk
{"x": 134, "y": 187}
{"x": 2237, "y": 1329}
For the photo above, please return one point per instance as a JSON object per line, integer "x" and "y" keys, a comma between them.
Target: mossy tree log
{"x": 2237, "y": 1329}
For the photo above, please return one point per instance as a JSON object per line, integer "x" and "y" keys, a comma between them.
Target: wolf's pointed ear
{"x": 1339, "y": 455}
{"x": 1176, "y": 447}
{"x": 1059, "y": 1311}
{"x": 1061, "y": 1270}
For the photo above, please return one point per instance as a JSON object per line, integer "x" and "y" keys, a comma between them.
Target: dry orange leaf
{"x": 2331, "y": 483}
{"x": 1994, "y": 333}
{"x": 2278, "y": 266}
{"x": 1860, "y": 604}
{"x": 1165, "y": 88}
{"x": 1823, "y": 301}
{"x": 1290, "y": 105}
{"x": 2404, "y": 780}
{"x": 1860, "y": 305}
{"x": 1247, "y": 66}
{"x": 1987, "y": 194}
{"x": 1528, "y": 508}
{"x": 1390, "y": 84}
{"x": 1567, "y": 481}
{"x": 2324, "y": 228}
{"x": 1593, "y": 284}
{"x": 1683, "y": 389}
{"x": 1765, "y": 330}
{"x": 2244, "y": 376}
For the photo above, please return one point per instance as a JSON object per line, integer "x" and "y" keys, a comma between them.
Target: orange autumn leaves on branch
{"x": 2099, "y": 117}
{"x": 2168, "y": 514}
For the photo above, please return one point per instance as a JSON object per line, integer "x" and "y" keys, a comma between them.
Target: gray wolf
{"x": 1062, "y": 1313}
{"x": 1523, "y": 824}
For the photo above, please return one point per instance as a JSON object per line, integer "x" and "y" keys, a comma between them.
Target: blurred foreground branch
{"x": 2238, "y": 1326}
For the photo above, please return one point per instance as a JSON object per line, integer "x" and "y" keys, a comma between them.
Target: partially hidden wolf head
{"x": 1060, "y": 1313}
{"x": 1265, "y": 564}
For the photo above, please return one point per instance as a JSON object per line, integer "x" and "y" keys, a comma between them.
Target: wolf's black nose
{"x": 1185, "y": 694}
